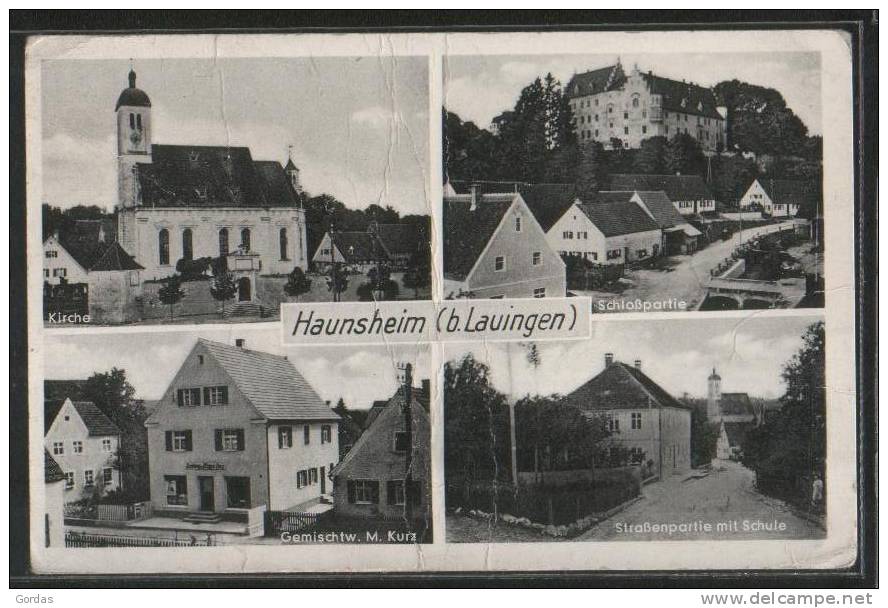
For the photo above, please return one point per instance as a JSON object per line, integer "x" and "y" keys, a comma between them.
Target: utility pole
{"x": 334, "y": 274}
{"x": 408, "y": 432}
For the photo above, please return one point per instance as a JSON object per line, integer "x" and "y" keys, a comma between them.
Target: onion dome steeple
{"x": 133, "y": 96}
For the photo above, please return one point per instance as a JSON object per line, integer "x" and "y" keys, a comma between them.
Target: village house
{"x": 495, "y": 248}
{"x": 778, "y": 197}
{"x": 53, "y": 502}
{"x": 734, "y": 414}
{"x": 393, "y": 244}
{"x": 370, "y": 480}
{"x": 679, "y": 237}
{"x": 238, "y": 430}
{"x": 642, "y": 417}
{"x": 186, "y": 202}
{"x": 609, "y": 105}
{"x": 689, "y": 193}
{"x": 614, "y": 229}
{"x": 84, "y": 442}
{"x": 85, "y": 270}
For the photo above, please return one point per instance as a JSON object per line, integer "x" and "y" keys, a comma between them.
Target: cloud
{"x": 79, "y": 171}
{"x": 376, "y": 117}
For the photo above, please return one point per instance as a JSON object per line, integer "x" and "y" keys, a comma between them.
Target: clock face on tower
{"x": 136, "y": 139}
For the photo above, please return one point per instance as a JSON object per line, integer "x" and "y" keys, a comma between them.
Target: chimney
{"x": 638, "y": 364}
{"x": 240, "y": 343}
{"x": 608, "y": 359}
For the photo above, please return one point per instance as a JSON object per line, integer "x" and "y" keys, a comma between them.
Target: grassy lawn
{"x": 463, "y": 529}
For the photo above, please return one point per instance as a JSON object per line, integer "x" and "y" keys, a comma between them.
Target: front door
{"x": 207, "y": 497}
{"x": 323, "y": 481}
{"x": 243, "y": 290}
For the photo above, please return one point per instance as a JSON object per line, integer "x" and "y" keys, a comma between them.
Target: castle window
{"x": 245, "y": 239}
{"x": 283, "y": 243}
{"x": 163, "y": 245}
{"x": 223, "y": 242}
{"x": 187, "y": 245}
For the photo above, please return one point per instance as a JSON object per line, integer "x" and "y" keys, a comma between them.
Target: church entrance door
{"x": 243, "y": 290}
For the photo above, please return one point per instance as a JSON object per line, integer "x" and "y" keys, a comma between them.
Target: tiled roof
{"x": 97, "y": 423}
{"x": 113, "y": 257}
{"x": 664, "y": 212}
{"x": 790, "y": 191}
{"x": 373, "y": 456}
{"x": 621, "y": 386}
{"x": 402, "y": 239}
{"x": 736, "y": 404}
{"x": 212, "y": 176}
{"x": 548, "y": 202}
{"x": 614, "y": 219}
{"x": 358, "y": 246}
{"x": 52, "y": 472}
{"x": 683, "y": 97}
{"x": 271, "y": 383}
{"x": 85, "y": 239}
{"x": 609, "y": 78}
{"x": 467, "y": 231}
{"x": 736, "y": 432}
{"x": 676, "y": 187}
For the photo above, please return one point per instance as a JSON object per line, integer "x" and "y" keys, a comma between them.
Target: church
{"x": 734, "y": 414}
{"x": 178, "y": 202}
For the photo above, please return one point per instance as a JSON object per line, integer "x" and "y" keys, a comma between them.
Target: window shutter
{"x": 351, "y": 492}
{"x": 169, "y": 441}
{"x": 180, "y": 399}
{"x": 280, "y": 437}
{"x": 206, "y": 396}
{"x": 187, "y": 441}
{"x": 240, "y": 440}
{"x": 374, "y": 492}
{"x": 218, "y": 433}
{"x": 223, "y": 395}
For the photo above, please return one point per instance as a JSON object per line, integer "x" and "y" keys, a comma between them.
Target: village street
{"x": 726, "y": 496}
{"x": 685, "y": 280}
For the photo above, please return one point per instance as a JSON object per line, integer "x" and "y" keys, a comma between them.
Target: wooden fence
{"x": 81, "y": 540}
{"x": 283, "y": 521}
{"x": 139, "y": 510}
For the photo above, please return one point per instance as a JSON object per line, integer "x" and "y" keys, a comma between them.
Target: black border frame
{"x": 862, "y": 27}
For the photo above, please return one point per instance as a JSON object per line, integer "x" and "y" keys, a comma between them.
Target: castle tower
{"x": 293, "y": 172}
{"x": 133, "y": 139}
{"x": 713, "y": 399}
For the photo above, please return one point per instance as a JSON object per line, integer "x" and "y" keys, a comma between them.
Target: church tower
{"x": 293, "y": 173}
{"x": 133, "y": 139}
{"x": 713, "y": 399}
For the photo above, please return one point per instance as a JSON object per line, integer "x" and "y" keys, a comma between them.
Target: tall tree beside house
{"x": 731, "y": 176}
{"x": 470, "y": 152}
{"x": 337, "y": 281}
{"x": 297, "y": 283}
{"x": 476, "y": 427}
{"x": 382, "y": 215}
{"x": 115, "y": 396}
{"x": 350, "y": 429}
{"x": 223, "y": 288}
{"x": 704, "y": 434}
{"x": 418, "y": 274}
{"x": 789, "y": 450}
{"x": 171, "y": 293}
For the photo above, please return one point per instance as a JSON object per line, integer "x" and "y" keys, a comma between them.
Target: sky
{"x": 478, "y": 88}
{"x": 359, "y": 375}
{"x": 748, "y": 353}
{"x": 358, "y": 126}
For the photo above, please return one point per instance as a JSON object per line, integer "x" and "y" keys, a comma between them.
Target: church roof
{"x": 736, "y": 404}
{"x": 132, "y": 96}
{"x": 621, "y": 386}
{"x": 212, "y": 176}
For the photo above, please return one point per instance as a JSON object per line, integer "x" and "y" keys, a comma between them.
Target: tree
{"x": 418, "y": 273}
{"x": 704, "y": 434}
{"x": 476, "y": 426}
{"x": 591, "y": 172}
{"x": 380, "y": 286}
{"x": 297, "y": 283}
{"x": 337, "y": 281}
{"x": 684, "y": 155}
{"x": 349, "y": 428}
{"x": 223, "y": 288}
{"x": 789, "y": 450}
{"x": 112, "y": 393}
{"x": 650, "y": 158}
{"x": 171, "y": 293}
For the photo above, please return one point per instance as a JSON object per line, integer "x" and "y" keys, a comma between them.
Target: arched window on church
{"x": 187, "y": 246}
{"x": 283, "y": 240}
{"x": 223, "y": 242}
{"x": 139, "y": 122}
{"x": 132, "y": 121}
{"x": 635, "y": 101}
{"x": 245, "y": 239}
{"x": 163, "y": 246}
